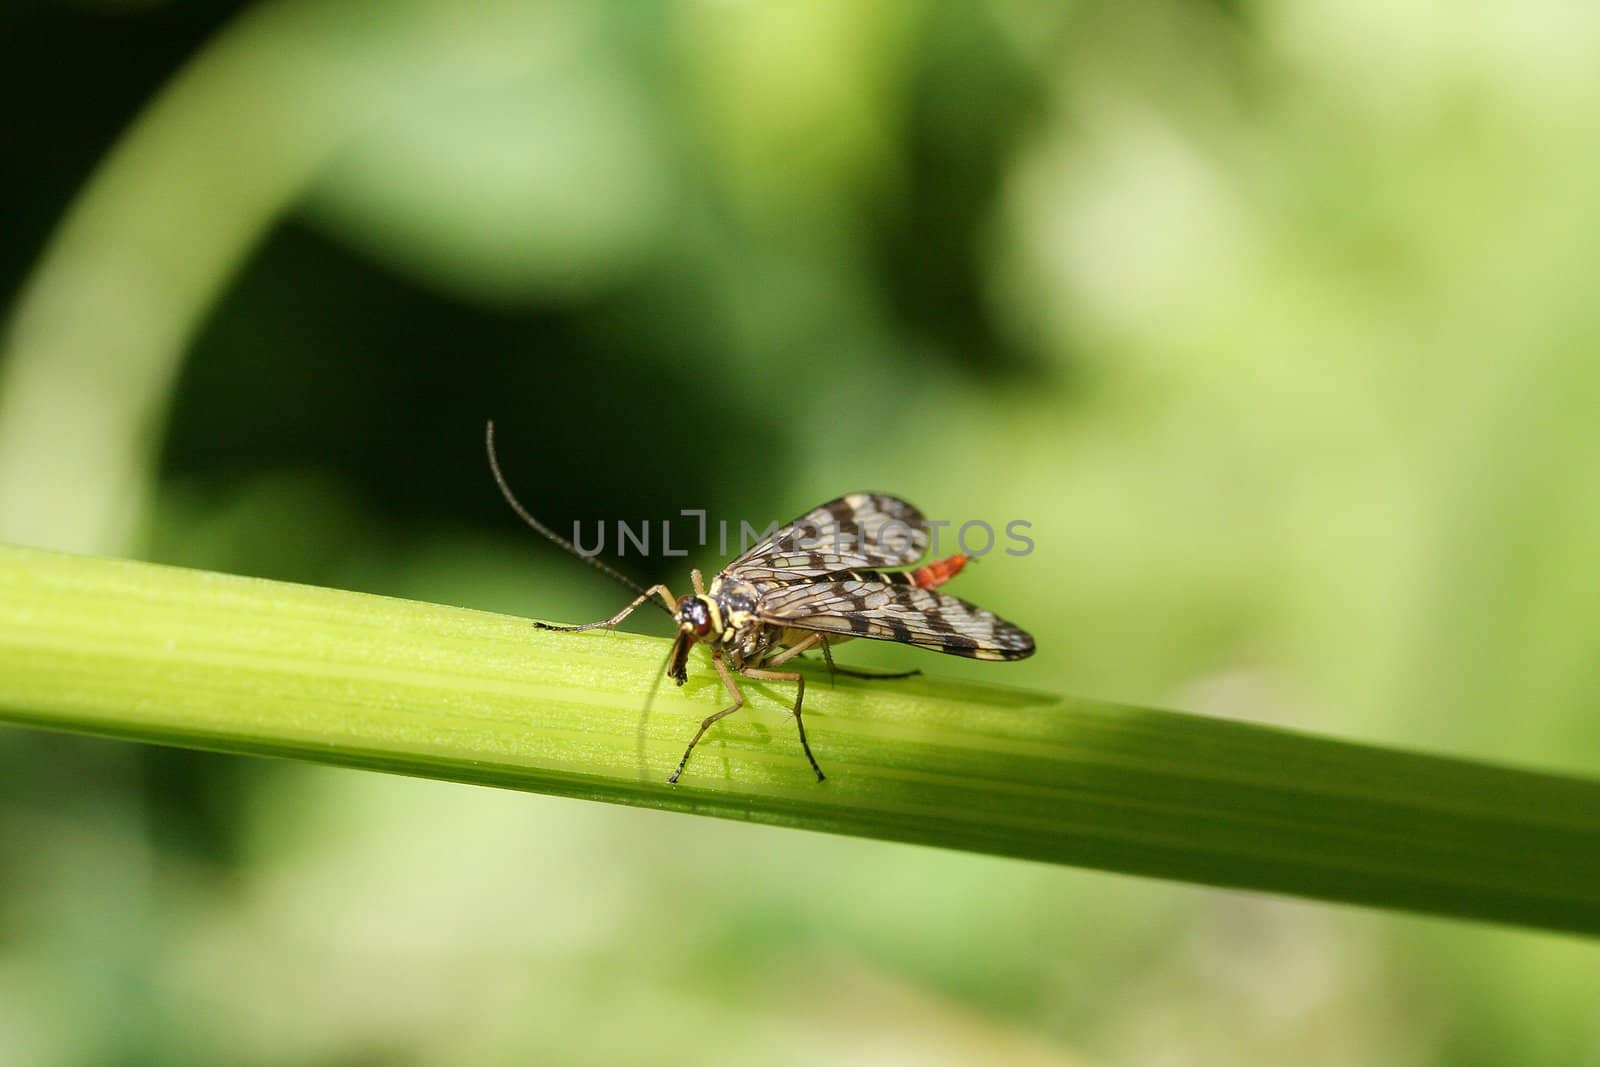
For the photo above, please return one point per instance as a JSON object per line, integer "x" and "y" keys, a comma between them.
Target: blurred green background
{"x": 1278, "y": 323}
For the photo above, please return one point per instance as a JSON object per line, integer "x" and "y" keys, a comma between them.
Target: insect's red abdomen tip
{"x": 939, "y": 572}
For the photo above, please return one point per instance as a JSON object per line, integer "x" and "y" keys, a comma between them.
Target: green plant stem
{"x": 234, "y": 664}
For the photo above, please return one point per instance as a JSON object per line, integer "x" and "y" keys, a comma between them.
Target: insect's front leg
{"x": 706, "y": 723}
{"x": 654, "y": 590}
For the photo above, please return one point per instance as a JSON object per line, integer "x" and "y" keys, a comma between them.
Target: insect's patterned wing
{"x": 855, "y": 532}
{"x": 887, "y": 611}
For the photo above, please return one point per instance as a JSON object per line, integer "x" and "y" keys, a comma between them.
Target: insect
{"x": 812, "y": 584}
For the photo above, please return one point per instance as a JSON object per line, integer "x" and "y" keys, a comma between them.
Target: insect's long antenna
{"x": 568, "y": 546}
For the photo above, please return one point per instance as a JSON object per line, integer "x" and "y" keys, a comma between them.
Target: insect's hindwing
{"x": 880, "y": 607}
{"x": 858, "y": 530}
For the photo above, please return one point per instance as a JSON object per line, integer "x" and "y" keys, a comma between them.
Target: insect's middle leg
{"x": 762, "y": 675}
{"x": 662, "y": 590}
{"x": 794, "y": 650}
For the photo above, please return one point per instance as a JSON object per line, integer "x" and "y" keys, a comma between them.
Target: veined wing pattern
{"x": 886, "y": 607}
{"x": 856, "y": 531}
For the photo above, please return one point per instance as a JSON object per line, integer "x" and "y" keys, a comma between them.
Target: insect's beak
{"x": 678, "y": 666}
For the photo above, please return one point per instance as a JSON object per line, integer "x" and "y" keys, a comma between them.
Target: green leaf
{"x": 234, "y": 664}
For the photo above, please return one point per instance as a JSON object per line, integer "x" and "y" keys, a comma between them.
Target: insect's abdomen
{"x": 937, "y": 573}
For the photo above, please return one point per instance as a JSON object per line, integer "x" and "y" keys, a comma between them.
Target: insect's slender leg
{"x": 794, "y": 650}
{"x": 706, "y": 724}
{"x": 666, "y": 597}
{"x": 699, "y": 582}
{"x": 848, "y": 673}
{"x": 790, "y": 676}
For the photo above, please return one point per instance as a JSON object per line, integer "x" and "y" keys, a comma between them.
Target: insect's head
{"x": 696, "y": 616}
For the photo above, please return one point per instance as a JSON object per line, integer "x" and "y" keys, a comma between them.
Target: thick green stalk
{"x": 242, "y": 665}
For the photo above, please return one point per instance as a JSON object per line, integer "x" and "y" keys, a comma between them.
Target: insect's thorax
{"x": 737, "y": 630}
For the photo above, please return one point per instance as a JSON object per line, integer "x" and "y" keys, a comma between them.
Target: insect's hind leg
{"x": 799, "y": 697}
{"x": 710, "y": 720}
{"x": 662, "y": 590}
{"x": 833, "y": 668}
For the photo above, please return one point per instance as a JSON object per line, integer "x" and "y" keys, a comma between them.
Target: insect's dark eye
{"x": 696, "y": 615}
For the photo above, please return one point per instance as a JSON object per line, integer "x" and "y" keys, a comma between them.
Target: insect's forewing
{"x": 857, "y": 531}
{"x": 884, "y": 611}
